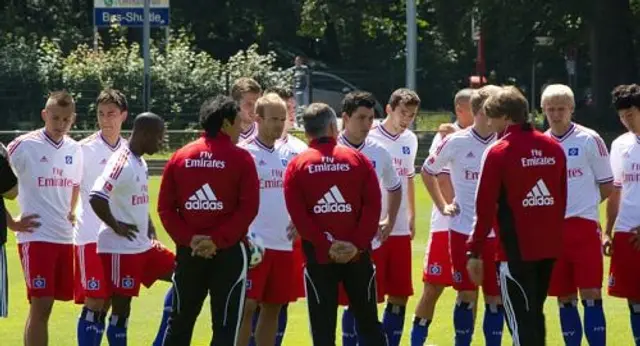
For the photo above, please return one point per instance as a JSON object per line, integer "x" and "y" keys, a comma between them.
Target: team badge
{"x": 108, "y": 187}
{"x": 612, "y": 280}
{"x": 284, "y": 162}
{"x": 93, "y": 285}
{"x": 573, "y": 152}
{"x": 128, "y": 282}
{"x": 457, "y": 277}
{"x": 68, "y": 159}
{"x": 373, "y": 163}
{"x": 406, "y": 150}
{"x": 248, "y": 284}
{"x": 435, "y": 269}
{"x": 39, "y": 282}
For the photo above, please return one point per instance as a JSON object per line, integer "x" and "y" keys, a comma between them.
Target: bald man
{"x": 126, "y": 241}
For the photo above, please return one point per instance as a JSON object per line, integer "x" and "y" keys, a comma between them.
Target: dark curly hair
{"x": 626, "y": 96}
{"x": 214, "y": 111}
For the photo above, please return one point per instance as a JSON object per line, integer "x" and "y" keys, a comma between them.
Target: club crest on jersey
{"x": 373, "y": 163}
{"x": 284, "y": 162}
{"x": 573, "y": 152}
{"x": 470, "y": 155}
{"x": 128, "y": 282}
{"x": 44, "y": 159}
{"x": 457, "y": 277}
{"x": 108, "y": 186}
{"x": 406, "y": 150}
{"x": 435, "y": 269}
{"x": 261, "y": 163}
{"x": 103, "y": 162}
{"x": 39, "y": 282}
{"x": 93, "y": 285}
{"x": 68, "y": 159}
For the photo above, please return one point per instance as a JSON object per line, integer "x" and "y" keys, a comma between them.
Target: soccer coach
{"x": 208, "y": 197}
{"x": 333, "y": 197}
{"x": 523, "y": 187}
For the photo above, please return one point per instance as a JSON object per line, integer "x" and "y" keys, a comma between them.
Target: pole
{"x": 532, "y": 103}
{"x": 411, "y": 45}
{"x": 146, "y": 33}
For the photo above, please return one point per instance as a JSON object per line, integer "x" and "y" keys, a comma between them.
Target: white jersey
{"x": 625, "y": 164}
{"x": 47, "y": 172}
{"x": 403, "y": 148}
{"x": 273, "y": 218}
{"x": 96, "y": 152}
{"x": 294, "y": 145}
{"x": 439, "y": 222}
{"x": 249, "y": 134}
{"x": 587, "y": 167}
{"x": 383, "y": 164}
{"x": 124, "y": 183}
{"x": 462, "y": 152}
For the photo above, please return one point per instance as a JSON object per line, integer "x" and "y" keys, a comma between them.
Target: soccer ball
{"x": 256, "y": 249}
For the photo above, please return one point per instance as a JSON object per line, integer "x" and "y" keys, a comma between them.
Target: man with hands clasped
{"x": 208, "y": 198}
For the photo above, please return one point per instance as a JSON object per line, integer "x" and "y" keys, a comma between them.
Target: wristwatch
{"x": 472, "y": 255}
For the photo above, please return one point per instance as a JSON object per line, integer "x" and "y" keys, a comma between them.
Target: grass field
{"x": 147, "y": 308}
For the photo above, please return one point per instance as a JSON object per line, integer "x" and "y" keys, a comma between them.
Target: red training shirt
{"x": 209, "y": 187}
{"x": 522, "y": 187}
{"x": 332, "y": 193}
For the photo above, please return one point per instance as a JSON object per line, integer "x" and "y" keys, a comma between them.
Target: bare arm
{"x": 613, "y": 205}
{"x": 606, "y": 190}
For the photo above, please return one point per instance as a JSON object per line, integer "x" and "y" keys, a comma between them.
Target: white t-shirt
{"x": 403, "y": 148}
{"x": 292, "y": 145}
{"x": 462, "y": 152}
{"x": 587, "y": 167}
{"x": 47, "y": 172}
{"x": 273, "y": 218}
{"x": 249, "y": 134}
{"x": 96, "y": 152}
{"x": 124, "y": 183}
{"x": 625, "y": 164}
{"x": 387, "y": 176}
{"x": 439, "y": 222}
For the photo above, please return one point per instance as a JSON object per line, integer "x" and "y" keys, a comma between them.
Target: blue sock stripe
{"x": 463, "y": 323}
{"x": 419, "y": 331}
{"x": 570, "y": 323}
{"x": 393, "y": 323}
{"x": 493, "y": 324}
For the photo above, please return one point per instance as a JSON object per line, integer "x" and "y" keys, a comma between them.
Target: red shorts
{"x": 380, "y": 269}
{"x": 127, "y": 271}
{"x": 89, "y": 275}
{"x": 48, "y": 269}
{"x": 458, "y": 253}
{"x": 269, "y": 282}
{"x": 394, "y": 260}
{"x": 297, "y": 286}
{"x": 437, "y": 264}
{"x": 580, "y": 264}
{"x": 624, "y": 281}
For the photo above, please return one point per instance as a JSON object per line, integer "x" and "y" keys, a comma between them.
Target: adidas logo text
{"x": 203, "y": 199}
{"x": 538, "y": 196}
{"x": 332, "y": 202}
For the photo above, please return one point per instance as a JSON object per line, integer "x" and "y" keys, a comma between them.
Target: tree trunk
{"x": 612, "y": 56}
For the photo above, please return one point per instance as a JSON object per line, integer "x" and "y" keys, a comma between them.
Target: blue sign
{"x": 130, "y": 17}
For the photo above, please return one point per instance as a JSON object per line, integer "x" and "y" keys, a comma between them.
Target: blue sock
{"x": 393, "y": 323}
{"x": 166, "y": 313}
{"x": 463, "y": 323}
{"x": 117, "y": 331}
{"x": 282, "y": 324}
{"x": 493, "y": 324}
{"x": 349, "y": 335}
{"x": 635, "y": 322}
{"x": 419, "y": 331}
{"x": 595, "y": 326}
{"x": 571, "y": 324}
{"x": 100, "y": 327}
{"x": 254, "y": 323}
{"x": 89, "y": 329}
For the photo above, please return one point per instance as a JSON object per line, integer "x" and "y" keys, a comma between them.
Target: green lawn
{"x": 147, "y": 308}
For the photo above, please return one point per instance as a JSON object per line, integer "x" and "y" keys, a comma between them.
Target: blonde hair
{"x": 557, "y": 91}
{"x": 269, "y": 100}
{"x": 481, "y": 95}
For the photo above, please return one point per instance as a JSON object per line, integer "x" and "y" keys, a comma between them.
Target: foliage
{"x": 182, "y": 76}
